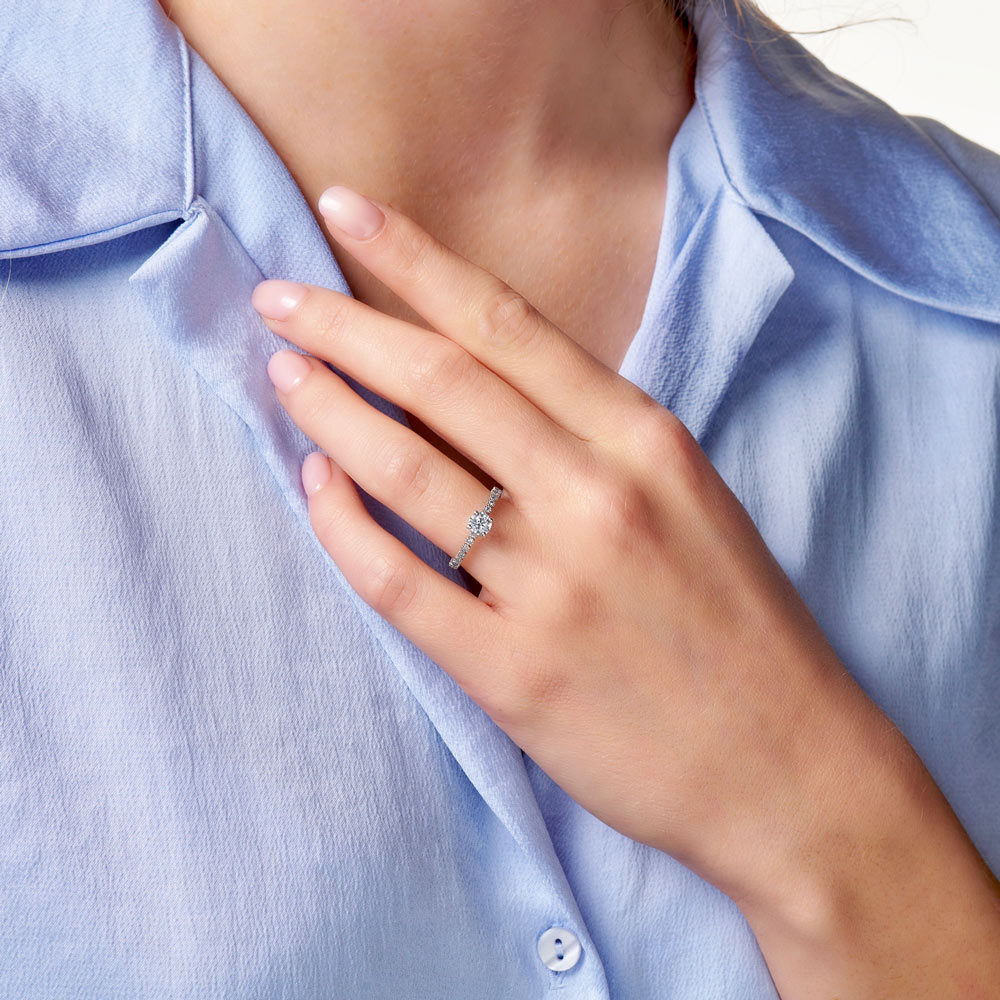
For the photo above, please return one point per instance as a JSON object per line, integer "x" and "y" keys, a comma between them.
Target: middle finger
{"x": 429, "y": 375}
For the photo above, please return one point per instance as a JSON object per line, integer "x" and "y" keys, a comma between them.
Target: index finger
{"x": 482, "y": 313}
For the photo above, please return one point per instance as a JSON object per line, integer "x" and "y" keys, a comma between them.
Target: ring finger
{"x": 393, "y": 464}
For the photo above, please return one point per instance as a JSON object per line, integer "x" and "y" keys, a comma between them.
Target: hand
{"x": 634, "y": 635}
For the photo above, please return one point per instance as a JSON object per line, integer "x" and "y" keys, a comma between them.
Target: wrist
{"x": 842, "y": 787}
{"x": 887, "y": 896}
{"x": 868, "y": 811}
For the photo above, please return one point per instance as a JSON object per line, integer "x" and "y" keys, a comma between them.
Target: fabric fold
{"x": 196, "y": 287}
{"x": 690, "y": 346}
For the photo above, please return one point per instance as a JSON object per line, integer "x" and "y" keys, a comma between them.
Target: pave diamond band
{"x": 479, "y": 524}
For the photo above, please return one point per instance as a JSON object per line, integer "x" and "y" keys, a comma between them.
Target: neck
{"x": 440, "y": 98}
{"x": 467, "y": 116}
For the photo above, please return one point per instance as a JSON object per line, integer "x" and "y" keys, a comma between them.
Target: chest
{"x": 193, "y": 696}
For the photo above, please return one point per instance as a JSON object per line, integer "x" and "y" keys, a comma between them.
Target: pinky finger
{"x": 454, "y": 628}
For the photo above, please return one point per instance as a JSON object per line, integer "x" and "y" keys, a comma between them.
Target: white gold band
{"x": 479, "y": 524}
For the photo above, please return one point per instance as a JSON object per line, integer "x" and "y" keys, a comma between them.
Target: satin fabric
{"x": 222, "y": 774}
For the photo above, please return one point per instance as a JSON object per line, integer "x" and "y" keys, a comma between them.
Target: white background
{"x": 942, "y": 62}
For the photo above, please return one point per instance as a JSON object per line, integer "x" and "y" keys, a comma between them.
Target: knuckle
{"x": 333, "y": 318}
{"x": 435, "y": 369}
{"x": 648, "y": 425}
{"x": 388, "y": 587}
{"x": 651, "y": 421}
{"x": 310, "y": 403}
{"x": 620, "y": 510}
{"x": 411, "y": 250}
{"x": 660, "y": 440}
{"x": 328, "y": 521}
{"x": 682, "y": 457}
{"x": 405, "y": 471}
{"x": 508, "y": 320}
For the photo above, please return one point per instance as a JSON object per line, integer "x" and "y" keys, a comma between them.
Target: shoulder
{"x": 979, "y": 166}
{"x": 901, "y": 199}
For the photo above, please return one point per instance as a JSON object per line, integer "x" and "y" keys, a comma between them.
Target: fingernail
{"x": 352, "y": 213}
{"x": 286, "y": 369}
{"x": 276, "y": 299}
{"x": 315, "y": 471}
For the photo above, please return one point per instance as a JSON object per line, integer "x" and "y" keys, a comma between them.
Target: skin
{"x": 560, "y": 128}
{"x": 656, "y": 661}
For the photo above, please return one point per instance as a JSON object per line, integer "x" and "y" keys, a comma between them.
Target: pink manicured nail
{"x": 349, "y": 211}
{"x": 315, "y": 471}
{"x": 286, "y": 369}
{"x": 276, "y": 299}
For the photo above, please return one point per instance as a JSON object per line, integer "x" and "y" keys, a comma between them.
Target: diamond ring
{"x": 479, "y": 524}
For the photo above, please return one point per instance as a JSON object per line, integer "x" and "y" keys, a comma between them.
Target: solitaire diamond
{"x": 480, "y": 523}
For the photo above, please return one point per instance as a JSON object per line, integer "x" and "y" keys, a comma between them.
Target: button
{"x": 559, "y": 949}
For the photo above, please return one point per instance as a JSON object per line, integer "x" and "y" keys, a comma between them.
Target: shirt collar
{"x": 110, "y": 149}
{"x": 818, "y": 153}
{"x": 96, "y": 109}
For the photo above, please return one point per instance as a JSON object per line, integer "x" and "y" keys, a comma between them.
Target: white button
{"x": 559, "y": 949}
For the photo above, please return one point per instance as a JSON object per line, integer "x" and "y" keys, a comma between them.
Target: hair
{"x": 678, "y": 12}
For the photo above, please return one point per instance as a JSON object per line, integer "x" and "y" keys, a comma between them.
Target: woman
{"x": 703, "y": 705}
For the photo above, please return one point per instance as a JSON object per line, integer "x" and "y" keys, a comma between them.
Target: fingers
{"x": 431, "y": 376}
{"x": 458, "y": 631}
{"x": 484, "y": 315}
{"x": 396, "y": 466}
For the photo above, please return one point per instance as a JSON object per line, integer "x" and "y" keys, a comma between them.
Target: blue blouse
{"x": 221, "y": 773}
